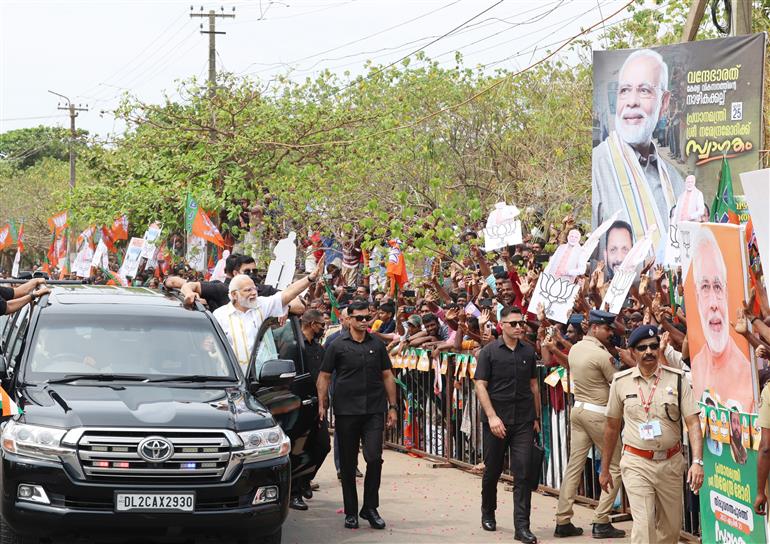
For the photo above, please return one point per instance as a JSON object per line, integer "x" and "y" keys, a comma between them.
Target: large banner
{"x": 730, "y": 465}
{"x": 714, "y": 290}
{"x": 664, "y": 114}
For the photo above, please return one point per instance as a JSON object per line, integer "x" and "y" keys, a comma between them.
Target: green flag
{"x": 724, "y": 209}
{"x": 190, "y": 211}
{"x": 335, "y": 317}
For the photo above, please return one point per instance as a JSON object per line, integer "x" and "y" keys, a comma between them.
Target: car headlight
{"x": 264, "y": 444}
{"x": 33, "y": 441}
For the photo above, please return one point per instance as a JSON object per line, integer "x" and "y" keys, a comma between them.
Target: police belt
{"x": 590, "y": 407}
{"x": 661, "y": 455}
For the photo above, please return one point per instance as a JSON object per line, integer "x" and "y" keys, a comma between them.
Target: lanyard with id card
{"x": 649, "y": 430}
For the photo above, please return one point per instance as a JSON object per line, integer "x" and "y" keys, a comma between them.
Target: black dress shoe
{"x": 566, "y": 530}
{"x": 297, "y": 503}
{"x": 351, "y": 522}
{"x": 489, "y": 524}
{"x": 307, "y": 493}
{"x": 358, "y": 474}
{"x": 606, "y": 530}
{"x": 374, "y": 519}
{"x": 524, "y": 535}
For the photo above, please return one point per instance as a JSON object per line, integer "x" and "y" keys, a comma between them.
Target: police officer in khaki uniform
{"x": 651, "y": 399}
{"x": 763, "y": 459}
{"x": 591, "y": 371}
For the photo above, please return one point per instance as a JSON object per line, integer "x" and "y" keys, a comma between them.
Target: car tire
{"x": 9, "y": 536}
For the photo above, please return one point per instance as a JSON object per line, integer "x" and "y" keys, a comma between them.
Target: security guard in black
{"x": 507, "y": 388}
{"x": 363, "y": 388}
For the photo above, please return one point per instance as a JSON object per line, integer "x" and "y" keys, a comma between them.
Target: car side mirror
{"x": 276, "y": 373}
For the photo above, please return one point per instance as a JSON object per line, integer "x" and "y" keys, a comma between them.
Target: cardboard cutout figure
{"x": 567, "y": 259}
{"x": 503, "y": 229}
{"x": 280, "y": 273}
{"x": 690, "y": 205}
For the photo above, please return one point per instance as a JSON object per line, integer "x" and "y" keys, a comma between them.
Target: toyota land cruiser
{"x": 137, "y": 420}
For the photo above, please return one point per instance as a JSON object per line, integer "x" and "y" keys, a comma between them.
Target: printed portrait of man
{"x": 617, "y": 243}
{"x": 629, "y": 174}
{"x": 736, "y": 438}
{"x": 720, "y": 364}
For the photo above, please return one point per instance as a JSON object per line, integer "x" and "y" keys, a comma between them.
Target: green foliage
{"x": 417, "y": 151}
{"x": 25, "y": 147}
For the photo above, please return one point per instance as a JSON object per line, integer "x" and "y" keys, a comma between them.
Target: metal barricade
{"x": 446, "y": 426}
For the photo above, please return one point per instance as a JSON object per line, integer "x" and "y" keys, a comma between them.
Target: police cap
{"x": 600, "y": 317}
{"x": 640, "y": 333}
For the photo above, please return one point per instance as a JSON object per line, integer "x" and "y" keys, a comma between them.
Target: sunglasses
{"x": 642, "y": 349}
{"x": 360, "y": 318}
{"x": 513, "y": 323}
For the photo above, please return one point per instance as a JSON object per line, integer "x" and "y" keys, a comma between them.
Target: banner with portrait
{"x": 663, "y": 118}
{"x": 731, "y": 441}
{"x": 714, "y": 290}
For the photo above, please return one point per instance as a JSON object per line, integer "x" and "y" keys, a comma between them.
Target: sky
{"x": 94, "y": 51}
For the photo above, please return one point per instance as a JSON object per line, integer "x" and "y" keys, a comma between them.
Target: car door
{"x": 278, "y": 340}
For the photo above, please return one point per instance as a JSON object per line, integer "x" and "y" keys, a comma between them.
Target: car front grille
{"x": 198, "y": 456}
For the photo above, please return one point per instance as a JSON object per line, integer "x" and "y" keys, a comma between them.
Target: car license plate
{"x": 155, "y": 502}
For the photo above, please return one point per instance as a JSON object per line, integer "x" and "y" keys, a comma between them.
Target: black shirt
{"x": 3, "y": 306}
{"x": 358, "y": 388}
{"x": 507, "y": 373}
{"x": 216, "y": 293}
{"x": 388, "y": 327}
{"x": 313, "y": 356}
{"x": 6, "y": 293}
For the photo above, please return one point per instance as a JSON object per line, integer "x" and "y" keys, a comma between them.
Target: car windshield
{"x": 152, "y": 346}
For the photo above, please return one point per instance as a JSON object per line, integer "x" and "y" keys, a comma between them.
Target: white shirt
{"x": 241, "y": 328}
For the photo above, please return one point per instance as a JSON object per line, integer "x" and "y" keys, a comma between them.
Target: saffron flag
{"x": 198, "y": 223}
{"x": 119, "y": 228}
{"x": 724, "y": 208}
{"x": 9, "y": 407}
{"x": 203, "y": 228}
{"x": 20, "y": 239}
{"x": 58, "y": 222}
{"x": 396, "y": 269}
{"x": 58, "y": 250}
{"x": 6, "y": 240}
{"x": 86, "y": 237}
{"x": 108, "y": 240}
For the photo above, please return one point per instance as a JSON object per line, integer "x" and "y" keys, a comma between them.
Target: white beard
{"x": 638, "y": 134}
{"x": 249, "y": 304}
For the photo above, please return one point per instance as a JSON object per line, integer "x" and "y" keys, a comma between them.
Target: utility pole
{"x": 740, "y": 21}
{"x": 212, "y": 32}
{"x": 73, "y": 133}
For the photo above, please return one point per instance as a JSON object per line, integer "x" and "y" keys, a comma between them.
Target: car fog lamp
{"x": 266, "y": 494}
{"x": 32, "y": 493}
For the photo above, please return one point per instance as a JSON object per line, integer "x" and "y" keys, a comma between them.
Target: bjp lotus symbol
{"x": 556, "y": 291}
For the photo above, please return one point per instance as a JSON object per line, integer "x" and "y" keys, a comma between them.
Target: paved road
{"x": 422, "y": 504}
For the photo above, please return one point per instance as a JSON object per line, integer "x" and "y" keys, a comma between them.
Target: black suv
{"x": 137, "y": 420}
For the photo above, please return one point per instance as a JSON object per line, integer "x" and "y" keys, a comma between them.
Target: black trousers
{"x": 518, "y": 439}
{"x": 352, "y": 430}
{"x": 319, "y": 445}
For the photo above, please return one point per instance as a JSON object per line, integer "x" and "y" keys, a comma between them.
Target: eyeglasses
{"x": 319, "y": 323}
{"x": 645, "y": 347}
{"x": 248, "y": 290}
{"x": 513, "y": 323}
{"x": 360, "y": 318}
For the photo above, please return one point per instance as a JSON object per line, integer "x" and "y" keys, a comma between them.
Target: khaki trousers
{"x": 586, "y": 430}
{"x": 655, "y": 495}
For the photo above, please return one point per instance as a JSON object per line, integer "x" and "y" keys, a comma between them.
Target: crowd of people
{"x": 628, "y": 369}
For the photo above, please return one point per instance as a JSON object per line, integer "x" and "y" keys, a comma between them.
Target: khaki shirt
{"x": 591, "y": 371}
{"x": 625, "y": 403}
{"x": 763, "y": 420}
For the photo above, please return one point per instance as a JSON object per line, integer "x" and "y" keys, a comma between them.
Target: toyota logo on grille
{"x": 155, "y": 449}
